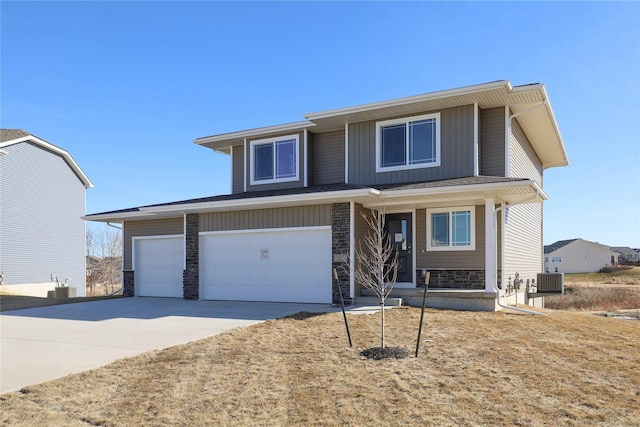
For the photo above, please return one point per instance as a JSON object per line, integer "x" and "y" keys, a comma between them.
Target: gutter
{"x": 256, "y": 201}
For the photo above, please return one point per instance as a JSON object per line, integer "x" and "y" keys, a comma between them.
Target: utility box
{"x": 62, "y": 292}
{"x": 550, "y": 283}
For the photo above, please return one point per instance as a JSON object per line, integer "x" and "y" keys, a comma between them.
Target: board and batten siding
{"x": 523, "y": 161}
{"x": 237, "y": 165}
{"x": 492, "y": 141}
{"x": 278, "y": 185}
{"x": 142, "y": 228}
{"x": 299, "y": 216}
{"x": 327, "y": 158}
{"x": 456, "y": 151}
{"x": 523, "y": 241}
{"x": 41, "y": 227}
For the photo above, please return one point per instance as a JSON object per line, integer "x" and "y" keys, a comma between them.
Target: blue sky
{"x": 126, "y": 86}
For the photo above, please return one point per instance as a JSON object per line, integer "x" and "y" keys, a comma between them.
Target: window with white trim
{"x": 408, "y": 143}
{"x": 451, "y": 229}
{"x": 274, "y": 159}
{"x": 556, "y": 259}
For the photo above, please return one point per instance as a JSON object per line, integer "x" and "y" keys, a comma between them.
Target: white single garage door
{"x": 280, "y": 265}
{"x": 158, "y": 263}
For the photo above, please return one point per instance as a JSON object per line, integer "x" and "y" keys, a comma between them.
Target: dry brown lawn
{"x": 567, "y": 369}
{"x": 619, "y": 290}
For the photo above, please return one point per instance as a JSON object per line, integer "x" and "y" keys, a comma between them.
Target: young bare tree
{"x": 376, "y": 264}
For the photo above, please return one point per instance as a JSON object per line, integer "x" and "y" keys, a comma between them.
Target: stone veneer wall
{"x": 128, "y": 283}
{"x": 191, "y": 275}
{"x": 340, "y": 230}
{"x": 455, "y": 279}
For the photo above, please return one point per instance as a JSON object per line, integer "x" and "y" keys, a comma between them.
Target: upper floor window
{"x": 451, "y": 229}
{"x": 408, "y": 143}
{"x": 274, "y": 159}
{"x": 556, "y": 259}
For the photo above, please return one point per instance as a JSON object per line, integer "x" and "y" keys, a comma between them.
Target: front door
{"x": 398, "y": 227}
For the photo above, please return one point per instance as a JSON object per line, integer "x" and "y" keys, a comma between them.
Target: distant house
{"x": 578, "y": 256}
{"x": 445, "y": 166}
{"x": 625, "y": 253}
{"x": 42, "y": 202}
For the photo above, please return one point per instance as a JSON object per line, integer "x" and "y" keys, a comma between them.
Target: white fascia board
{"x": 116, "y": 217}
{"x": 552, "y": 119}
{"x": 389, "y": 194}
{"x": 410, "y": 99}
{"x": 287, "y": 127}
{"x": 65, "y": 154}
{"x": 264, "y": 201}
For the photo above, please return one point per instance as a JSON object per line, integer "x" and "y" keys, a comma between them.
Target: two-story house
{"x": 42, "y": 202}
{"x": 459, "y": 174}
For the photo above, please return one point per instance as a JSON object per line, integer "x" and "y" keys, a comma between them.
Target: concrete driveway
{"x": 41, "y": 344}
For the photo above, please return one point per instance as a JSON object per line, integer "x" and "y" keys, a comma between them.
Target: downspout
{"x": 495, "y": 230}
{"x": 495, "y": 212}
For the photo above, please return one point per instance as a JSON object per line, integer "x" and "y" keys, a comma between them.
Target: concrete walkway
{"x": 41, "y": 344}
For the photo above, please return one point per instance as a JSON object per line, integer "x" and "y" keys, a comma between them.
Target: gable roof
{"x": 562, "y": 243}
{"x": 539, "y": 123}
{"x": 10, "y": 137}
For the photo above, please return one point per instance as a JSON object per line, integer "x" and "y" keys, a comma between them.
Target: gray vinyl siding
{"x": 151, "y": 227}
{"x": 523, "y": 161}
{"x": 449, "y": 259}
{"x": 492, "y": 142}
{"x": 300, "y": 216}
{"x": 237, "y": 165}
{"x": 279, "y": 185}
{"x": 523, "y": 241}
{"x": 327, "y": 158}
{"x": 456, "y": 151}
{"x": 41, "y": 204}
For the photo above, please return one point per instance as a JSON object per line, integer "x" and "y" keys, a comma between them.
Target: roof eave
{"x": 408, "y": 100}
{"x": 223, "y": 141}
{"x": 65, "y": 154}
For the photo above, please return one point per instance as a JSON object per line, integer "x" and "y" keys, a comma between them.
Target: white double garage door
{"x": 277, "y": 265}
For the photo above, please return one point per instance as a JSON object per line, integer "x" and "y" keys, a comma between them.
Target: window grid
{"x": 451, "y": 229}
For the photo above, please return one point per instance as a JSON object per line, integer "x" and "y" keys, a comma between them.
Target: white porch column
{"x": 490, "y": 246}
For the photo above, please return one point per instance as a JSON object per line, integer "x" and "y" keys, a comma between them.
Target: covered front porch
{"x": 452, "y": 233}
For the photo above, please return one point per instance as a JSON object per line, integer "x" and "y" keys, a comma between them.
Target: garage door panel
{"x": 158, "y": 266}
{"x": 274, "y": 265}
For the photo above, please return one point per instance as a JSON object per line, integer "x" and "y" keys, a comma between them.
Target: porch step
{"x": 397, "y": 293}
{"x": 373, "y": 300}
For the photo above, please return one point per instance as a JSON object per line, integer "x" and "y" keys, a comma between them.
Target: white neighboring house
{"x": 577, "y": 256}
{"x": 42, "y": 202}
{"x": 626, "y": 253}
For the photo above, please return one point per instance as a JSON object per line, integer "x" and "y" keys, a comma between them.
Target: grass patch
{"x": 617, "y": 290}
{"x": 594, "y": 299}
{"x": 477, "y": 368}
{"x": 628, "y": 276}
